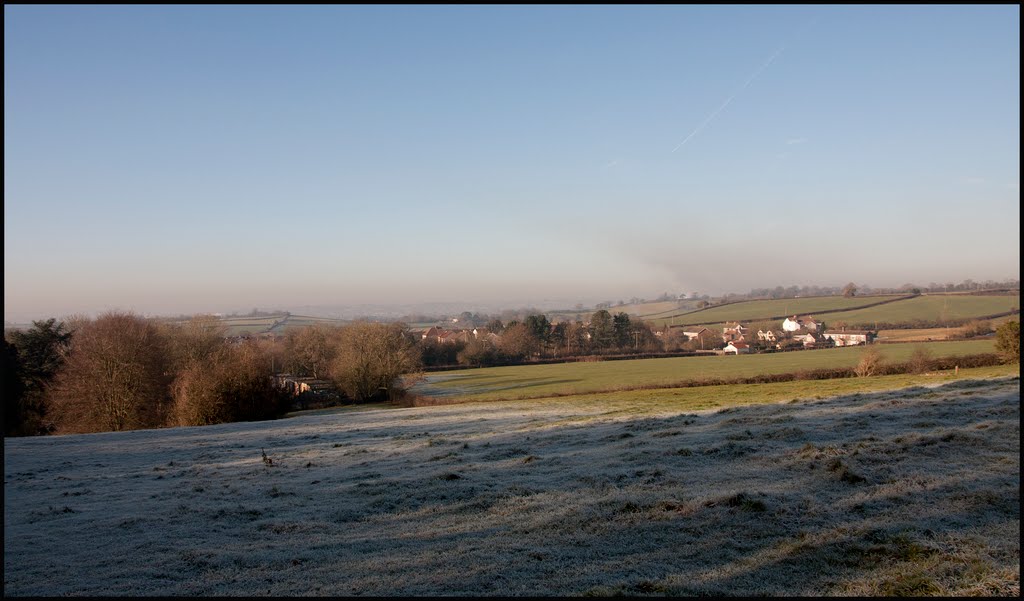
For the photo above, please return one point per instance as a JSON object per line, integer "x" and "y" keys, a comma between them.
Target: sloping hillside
{"x": 908, "y": 492}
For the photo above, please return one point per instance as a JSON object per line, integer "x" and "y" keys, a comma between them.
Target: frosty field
{"x": 915, "y": 491}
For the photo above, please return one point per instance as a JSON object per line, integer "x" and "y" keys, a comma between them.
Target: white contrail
{"x": 729, "y": 99}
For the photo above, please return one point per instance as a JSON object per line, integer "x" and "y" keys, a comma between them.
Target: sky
{"x": 181, "y": 159}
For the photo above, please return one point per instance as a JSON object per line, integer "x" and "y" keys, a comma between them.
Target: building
{"x": 736, "y": 347}
{"x": 733, "y": 331}
{"x": 851, "y": 337}
{"x": 792, "y": 324}
{"x": 694, "y": 333}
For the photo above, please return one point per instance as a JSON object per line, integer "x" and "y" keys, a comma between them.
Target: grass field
{"x": 239, "y": 326}
{"x": 524, "y": 381}
{"x": 899, "y": 492}
{"x": 930, "y": 308}
{"x": 700, "y": 398}
{"x": 763, "y": 309}
{"x": 650, "y": 310}
{"x": 927, "y": 307}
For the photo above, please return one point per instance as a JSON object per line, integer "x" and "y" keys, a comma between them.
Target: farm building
{"x": 736, "y": 347}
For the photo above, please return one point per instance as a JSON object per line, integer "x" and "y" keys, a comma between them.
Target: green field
{"x": 641, "y": 402}
{"x": 930, "y": 308}
{"x": 653, "y": 310}
{"x": 763, "y": 309}
{"x": 523, "y": 381}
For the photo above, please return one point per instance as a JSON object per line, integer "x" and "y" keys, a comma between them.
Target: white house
{"x": 792, "y": 324}
{"x": 692, "y": 333}
{"x": 737, "y": 347}
{"x": 851, "y": 337}
{"x": 808, "y": 339}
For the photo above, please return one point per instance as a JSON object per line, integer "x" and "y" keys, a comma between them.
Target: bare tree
{"x": 920, "y": 360}
{"x": 850, "y": 290}
{"x": 870, "y": 363}
{"x": 371, "y": 359}
{"x": 518, "y": 342}
{"x": 233, "y": 384}
{"x": 115, "y": 377}
{"x": 193, "y": 341}
{"x": 312, "y": 350}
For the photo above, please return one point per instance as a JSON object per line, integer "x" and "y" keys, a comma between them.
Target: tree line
{"x": 535, "y": 337}
{"x": 121, "y": 371}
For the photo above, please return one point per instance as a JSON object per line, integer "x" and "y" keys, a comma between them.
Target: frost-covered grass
{"x": 914, "y": 491}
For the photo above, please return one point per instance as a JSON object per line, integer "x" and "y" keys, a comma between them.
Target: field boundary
{"x": 948, "y": 363}
{"x": 825, "y": 312}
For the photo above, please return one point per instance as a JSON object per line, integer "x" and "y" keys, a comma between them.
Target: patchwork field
{"x": 524, "y": 381}
{"x": 930, "y": 308}
{"x": 762, "y": 309}
{"x": 895, "y": 309}
{"x": 240, "y": 326}
{"x": 914, "y": 491}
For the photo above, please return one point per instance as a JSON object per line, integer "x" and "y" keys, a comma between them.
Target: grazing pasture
{"x": 895, "y": 309}
{"x": 932, "y": 308}
{"x": 763, "y": 309}
{"x": 523, "y": 381}
{"x": 902, "y": 492}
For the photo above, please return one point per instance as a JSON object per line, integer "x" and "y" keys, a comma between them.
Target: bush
{"x": 870, "y": 364}
{"x": 1008, "y": 342}
{"x": 920, "y": 360}
{"x": 232, "y": 384}
{"x": 976, "y": 327}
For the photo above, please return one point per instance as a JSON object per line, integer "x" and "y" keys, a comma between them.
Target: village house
{"x": 808, "y": 340}
{"x": 737, "y": 347}
{"x": 733, "y": 331}
{"x": 792, "y": 324}
{"x": 851, "y": 337}
{"x": 694, "y": 333}
{"x": 432, "y": 334}
{"x": 308, "y": 392}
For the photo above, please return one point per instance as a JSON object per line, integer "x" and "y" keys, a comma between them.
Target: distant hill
{"x": 278, "y": 324}
{"x": 887, "y": 309}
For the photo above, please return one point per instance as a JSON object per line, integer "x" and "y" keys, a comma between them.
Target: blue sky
{"x": 187, "y": 158}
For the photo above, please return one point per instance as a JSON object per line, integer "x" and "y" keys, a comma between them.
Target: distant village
{"x": 807, "y": 331}
{"x": 794, "y": 333}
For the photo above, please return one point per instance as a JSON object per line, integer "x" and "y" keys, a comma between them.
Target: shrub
{"x": 1008, "y": 342}
{"x": 920, "y": 360}
{"x": 870, "y": 364}
{"x": 232, "y": 384}
{"x": 977, "y": 327}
